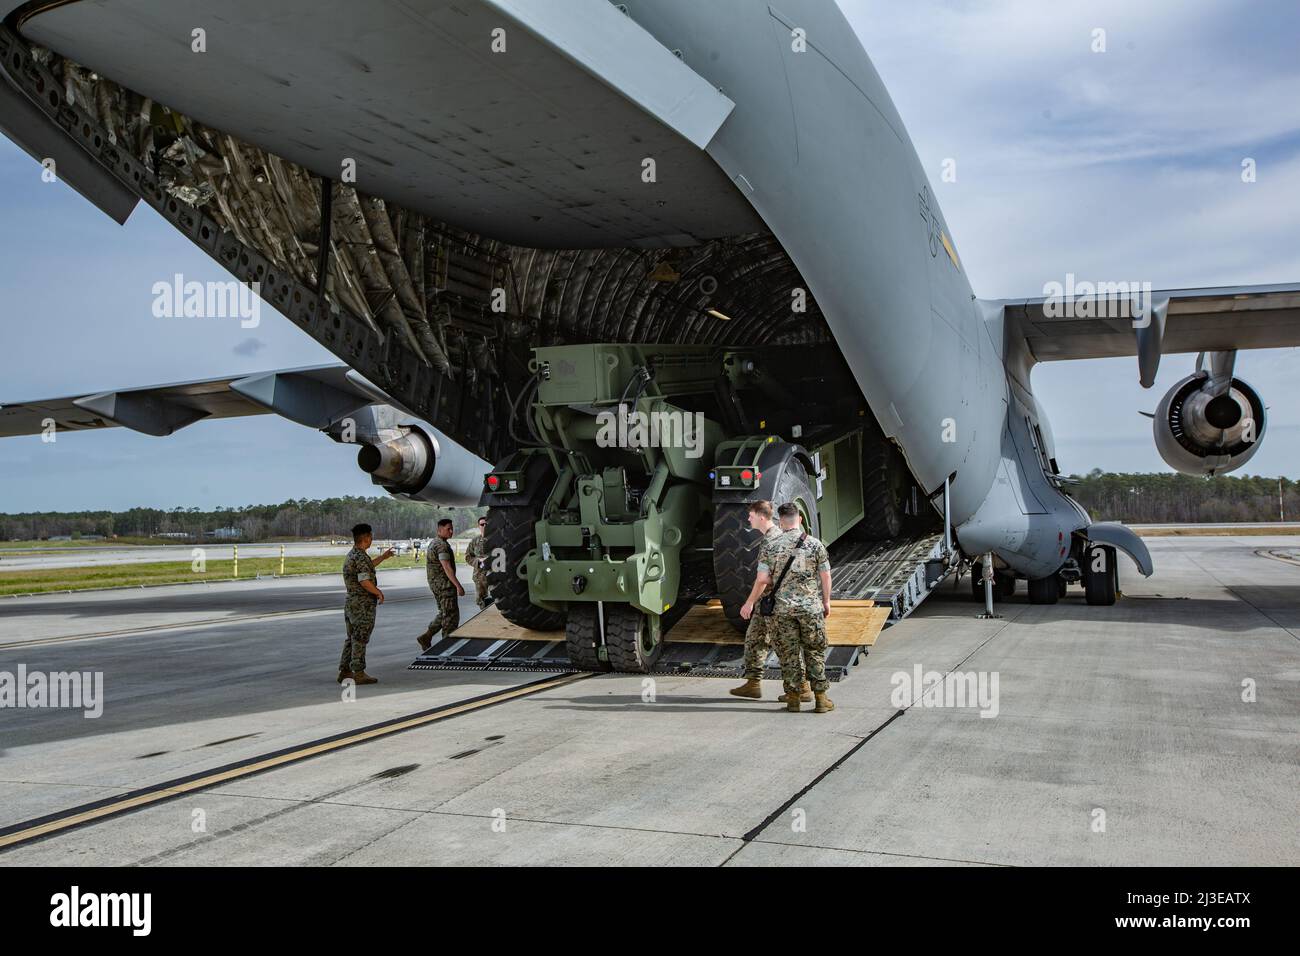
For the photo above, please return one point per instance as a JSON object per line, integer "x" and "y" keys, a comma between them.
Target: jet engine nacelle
{"x": 1209, "y": 426}
{"x": 422, "y": 464}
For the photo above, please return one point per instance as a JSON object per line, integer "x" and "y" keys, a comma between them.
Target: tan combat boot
{"x": 343, "y": 675}
{"x": 425, "y": 640}
{"x": 791, "y": 702}
{"x": 361, "y": 677}
{"x": 752, "y": 689}
{"x": 806, "y": 693}
{"x": 824, "y": 704}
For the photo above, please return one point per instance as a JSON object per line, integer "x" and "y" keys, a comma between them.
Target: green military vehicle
{"x": 628, "y": 496}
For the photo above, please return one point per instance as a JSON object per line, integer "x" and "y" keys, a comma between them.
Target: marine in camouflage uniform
{"x": 358, "y": 611}
{"x": 761, "y": 631}
{"x": 800, "y": 629}
{"x": 476, "y": 554}
{"x": 444, "y": 592}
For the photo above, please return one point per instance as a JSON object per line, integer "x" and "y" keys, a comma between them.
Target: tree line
{"x": 1183, "y": 499}
{"x": 1134, "y": 498}
{"x": 304, "y": 518}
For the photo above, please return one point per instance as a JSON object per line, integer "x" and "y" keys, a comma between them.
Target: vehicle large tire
{"x": 1045, "y": 590}
{"x": 735, "y": 543}
{"x": 1100, "y": 587}
{"x": 511, "y": 529}
{"x": 885, "y": 484}
{"x": 735, "y": 557}
{"x": 629, "y": 640}
{"x": 582, "y": 637}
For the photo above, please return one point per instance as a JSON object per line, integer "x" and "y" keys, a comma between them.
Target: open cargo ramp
{"x": 898, "y": 573}
{"x": 702, "y": 643}
{"x": 873, "y": 585}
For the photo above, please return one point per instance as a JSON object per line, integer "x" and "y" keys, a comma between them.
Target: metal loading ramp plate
{"x": 703, "y": 644}
{"x": 898, "y": 573}
{"x": 487, "y": 641}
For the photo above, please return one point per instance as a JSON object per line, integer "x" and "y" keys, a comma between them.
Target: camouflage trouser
{"x": 801, "y": 638}
{"x": 481, "y": 587}
{"x": 448, "y": 618}
{"x": 758, "y": 642}
{"x": 359, "y": 618}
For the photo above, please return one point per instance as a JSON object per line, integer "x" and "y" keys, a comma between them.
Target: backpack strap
{"x": 776, "y": 587}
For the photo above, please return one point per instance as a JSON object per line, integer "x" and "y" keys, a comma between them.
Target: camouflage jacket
{"x": 439, "y": 550}
{"x": 358, "y": 567}
{"x": 769, "y": 537}
{"x": 801, "y": 591}
{"x": 477, "y": 549}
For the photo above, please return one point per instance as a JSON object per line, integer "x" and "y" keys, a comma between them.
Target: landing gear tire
{"x": 1045, "y": 590}
{"x": 735, "y": 543}
{"x": 511, "y": 531}
{"x": 1062, "y": 588}
{"x": 885, "y": 484}
{"x": 630, "y": 640}
{"x": 582, "y": 637}
{"x": 1006, "y": 585}
{"x": 1100, "y": 584}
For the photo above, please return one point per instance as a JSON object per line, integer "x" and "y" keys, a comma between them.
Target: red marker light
{"x": 493, "y": 481}
{"x": 746, "y": 475}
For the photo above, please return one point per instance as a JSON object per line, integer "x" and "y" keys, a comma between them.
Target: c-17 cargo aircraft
{"x": 516, "y": 221}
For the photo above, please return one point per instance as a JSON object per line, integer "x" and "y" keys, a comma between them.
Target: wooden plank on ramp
{"x": 851, "y": 624}
{"x": 489, "y": 624}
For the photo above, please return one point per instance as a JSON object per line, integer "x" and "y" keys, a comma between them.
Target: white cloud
{"x": 1122, "y": 165}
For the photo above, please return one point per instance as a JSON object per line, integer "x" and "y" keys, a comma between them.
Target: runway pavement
{"x": 1121, "y": 736}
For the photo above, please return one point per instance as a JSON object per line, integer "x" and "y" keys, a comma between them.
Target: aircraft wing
{"x": 315, "y": 396}
{"x": 1184, "y": 320}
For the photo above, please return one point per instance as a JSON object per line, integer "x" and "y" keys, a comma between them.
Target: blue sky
{"x": 1117, "y": 165}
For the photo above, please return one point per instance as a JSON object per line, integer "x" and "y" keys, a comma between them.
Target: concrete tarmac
{"x": 1162, "y": 730}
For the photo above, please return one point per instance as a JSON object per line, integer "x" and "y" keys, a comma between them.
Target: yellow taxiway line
{"x": 90, "y": 813}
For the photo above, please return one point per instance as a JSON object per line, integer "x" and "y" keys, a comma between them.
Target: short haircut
{"x": 444, "y": 522}
{"x": 788, "y": 510}
{"x": 360, "y": 531}
{"x": 763, "y": 508}
{"x": 483, "y": 520}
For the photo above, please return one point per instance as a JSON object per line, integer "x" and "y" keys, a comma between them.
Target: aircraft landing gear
{"x": 1045, "y": 590}
{"x": 1000, "y": 588}
{"x": 1100, "y": 575}
{"x": 988, "y": 586}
